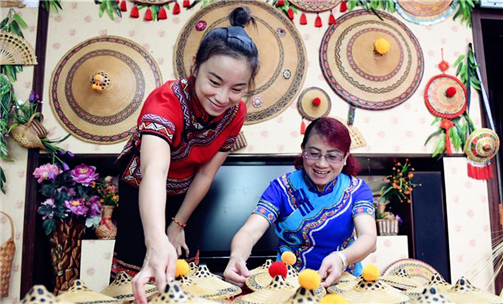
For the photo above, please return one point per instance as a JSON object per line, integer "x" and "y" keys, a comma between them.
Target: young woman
{"x": 185, "y": 131}
{"x": 316, "y": 210}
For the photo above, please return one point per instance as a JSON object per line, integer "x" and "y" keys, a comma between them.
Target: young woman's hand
{"x": 236, "y": 271}
{"x": 330, "y": 270}
{"x": 160, "y": 263}
{"x": 176, "y": 236}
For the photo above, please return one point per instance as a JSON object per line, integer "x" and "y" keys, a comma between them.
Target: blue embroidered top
{"x": 313, "y": 223}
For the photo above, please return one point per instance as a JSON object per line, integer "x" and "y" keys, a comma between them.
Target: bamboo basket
{"x": 29, "y": 134}
{"x": 7, "y": 252}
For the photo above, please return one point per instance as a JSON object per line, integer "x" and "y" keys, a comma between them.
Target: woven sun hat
{"x": 282, "y": 54}
{"x": 481, "y": 146}
{"x": 79, "y": 293}
{"x": 425, "y": 12}
{"x": 430, "y": 295}
{"x": 445, "y": 96}
{"x": 400, "y": 280}
{"x": 122, "y": 288}
{"x": 278, "y": 291}
{"x": 308, "y": 281}
{"x": 99, "y": 86}
{"x": 417, "y": 270}
{"x": 369, "y": 63}
{"x": 314, "y": 103}
{"x": 370, "y": 290}
{"x": 263, "y": 267}
{"x": 463, "y": 292}
{"x": 38, "y": 294}
{"x": 15, "y": 50}
{"x": 436, "y": 281}
{"x": 173, "y": 293}
{"x": 206, "y": 285}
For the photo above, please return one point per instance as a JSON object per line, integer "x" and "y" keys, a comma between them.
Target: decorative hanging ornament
{"x": 156, "y": 9}
{"x": 426, "y": 12}
{"x": 481, "y": 146}
{"x": 313, "y": 103}
{"x": 316, "y": 7}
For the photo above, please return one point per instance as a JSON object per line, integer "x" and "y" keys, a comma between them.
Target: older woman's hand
{"x": 331, "y": 270}
{"x": 236, "y": 271}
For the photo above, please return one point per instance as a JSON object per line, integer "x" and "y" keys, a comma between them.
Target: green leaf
{"x": 102, "y": 7}
{"x": 440, "y": 148}
{"x": 458, "y": 61}
{"x": 110, "y": 9}
{"x": 20, "y": 21}
{"x": 436, "y": 120}
{"x": 438, "y": 132}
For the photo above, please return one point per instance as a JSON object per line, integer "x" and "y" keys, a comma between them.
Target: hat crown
{"x": 38, "y": 294}
{"x": 78, "y": 285}
{"x": 303, "y": 295}
{"x": 291, "y": 272}
{"x": 203, "y": 272}
{"x": 430, "y": 295}
{"x": 400, "y": 272}
{"x": 463, "y": 285}
{"x": 122, "y": 279}
{"x": 172, "y": 293}
{"x": 437, "y": 279}
{"x": 277, "y": 283}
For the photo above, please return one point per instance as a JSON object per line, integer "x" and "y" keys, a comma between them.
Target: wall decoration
{"x": 98, "y": 87}
{"x": 313, "y": 103}
{"x": 7, "y": 252}
{"x": 426, "y": 12}
{"x": 15, "y": 50}
{"x": 316, "y": 7}
{"x": 371, "y": 64}
{"x": 12, "y": 24}
{"x": 12, "y": 3}
{"x": 155, "y": 9}
{"x": 281, "y": 53}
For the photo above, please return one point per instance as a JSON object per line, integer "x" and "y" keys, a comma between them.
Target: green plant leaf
{"x": 438, "y": 132}
{"x": 20, "y": 21}
{"x": 459, "y": 60}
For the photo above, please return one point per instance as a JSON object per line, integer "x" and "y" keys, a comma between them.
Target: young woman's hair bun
{"x": 240, "y": 16}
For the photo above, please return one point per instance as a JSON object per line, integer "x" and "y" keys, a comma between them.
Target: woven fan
{"x": 15, "y": 50}
{"x": 357, "y": 139}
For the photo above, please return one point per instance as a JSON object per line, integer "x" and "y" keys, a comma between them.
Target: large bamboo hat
{"x": 417, "y": 270}
{"x": 445, "y": 96}
{"x": 436, "y": 281}
{"x": 400, "y": 279}
{"x": 463, "y": 292}
{"x": 98, "y": 87}
{"x": 425, "y": 12}
{"x": 371, "y": 63}
{"x": 282, "y": 55}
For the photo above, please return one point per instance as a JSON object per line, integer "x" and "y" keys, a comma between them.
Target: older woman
{"x": 317, "y": 210}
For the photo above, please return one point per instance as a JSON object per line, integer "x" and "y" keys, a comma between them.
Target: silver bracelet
{"x": 343, "y": 259}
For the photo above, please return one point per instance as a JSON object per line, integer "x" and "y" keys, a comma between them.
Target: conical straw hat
{"x": 38, "y": 294}
{"x": 436, "y": 281}
{"x": 173, "y": 293}
{"x": 262, "y": 268}
{"x": 309, "y": 282}
{"x": 346, "y": 282}
{"x": 79, "y": 293}
{"x": 278, "y": 291}
{"x": 122, "y": 288}
{"x": 206, "y": 285}
{"x": 430, "y": 295}
{"x": 400, "y": 279}
{"x": 463, "y": 292}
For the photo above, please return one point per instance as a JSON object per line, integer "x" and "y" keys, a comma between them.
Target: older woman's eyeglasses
{"x": 330, "y": 158}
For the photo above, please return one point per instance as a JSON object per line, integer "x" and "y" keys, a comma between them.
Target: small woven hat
{"x": 417, "y": 270}
{"x": 445, "y": 96}
{"x": 400, "y": 280}
{"x": 309, "y": 281}
{"x": 263, "y": 267}
{"x": 481, "y": 146}
{"x": 122, "y": 288}
{"x": 79, "y": 293}
{"x": 99, "y": 86}
{"x": 282, "y": 54}
{"x": 436, "y": 281}
{"x": 15, "y": 50}
{"x": 371, "y": 63}
{"x": 173, "y": 293}
{"x": 463, "y": 292}
{"x": 430, "y": 295}
{"x": 425, "y": 12}
{"x": 206, "y": 285}
{"x": 38, "y": 294}
{"x": 314, "y": 103}
{"x": 7, "y": 252}
{"x": 346, "y": 282}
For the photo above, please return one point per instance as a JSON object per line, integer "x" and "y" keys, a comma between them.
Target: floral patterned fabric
{"x": 313, "y": 223}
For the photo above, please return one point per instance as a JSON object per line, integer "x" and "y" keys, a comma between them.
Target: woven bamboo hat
{"x": 418, "y": 270}
{"x": 463, "y": 292}
{"x": 38, "y": 294}
{"x": 15, "y": 50}
{"x": 436, "y": 281}
{"x": 346, "y": 282}
{"x": 400, "y": 279}
{"x": 425, "y": 12}
{"x": 371, "y": 64}
{"x": 482, "y": 145}
{"x": 309, "y": 282}
{"x": 206, "y": 285}
{"x": 263, "y": 267}
{"x": 282, "y": 54}
{"x": 79, "y": 293}
{"x": 445, "y": 96}
{"x": 99, "y": 86}
{"x": 122, "y": 288}
{"x": 430, "y": 295}
{"x": 173, "y": 293}
{"x": 314, "y": 103}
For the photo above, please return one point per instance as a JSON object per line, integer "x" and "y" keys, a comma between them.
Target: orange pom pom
{"x": 276, "y": 269}
{"x": 370, "y": 272}
{"x": 334, "y": 299}
{"x": 309, "y": 279}
{"x": 182, "y": 268}
{"x": 288, "y": 258}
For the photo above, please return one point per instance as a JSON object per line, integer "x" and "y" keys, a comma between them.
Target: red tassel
{"x": 162, "y": 14}
{"x": 280, "y": 3}
{"x": 344, "y": 6}
{"x": 186, "y": 3}
{"x": 331, "y": 19}
{"x": 134, "y": 12}
{"x": 303, "y": 19}
{"x": 302, "y": 127}
{"x": 148, "y": 15}
{"x": 123, "y": 6}
{"x": 176, "y": 9}
{"x": 480, "y": 171}
{"x": 317, "y": 21}
{"x": 446, "y": 125}
{"x": 290, "y": 13}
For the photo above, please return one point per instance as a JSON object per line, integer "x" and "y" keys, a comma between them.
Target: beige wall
{"x": 401, "y": 130}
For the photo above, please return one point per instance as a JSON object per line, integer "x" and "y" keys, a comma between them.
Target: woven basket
{"x": 106, "y": 230}
{"x": 7, "y": 251}
{"x": 29, "y": 134}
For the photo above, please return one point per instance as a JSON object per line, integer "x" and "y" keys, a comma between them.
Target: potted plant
{"x": 109, "y": 200}
{"x": 398, "y": 184}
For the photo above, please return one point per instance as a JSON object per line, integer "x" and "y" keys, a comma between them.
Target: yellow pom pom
{"x": 381, "y": 46}
{"x": 94, "y": 86}
{"x": 97, "y": 77}
{"x": 182, "y": 268}
{"x": 334, "y": 299}
{"x": 309, "y": 279}
{"x": 370, "y": 272}
{"x": 288, "y": 258}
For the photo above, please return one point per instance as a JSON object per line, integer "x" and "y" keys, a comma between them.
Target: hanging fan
{"x": 15, "y": 50}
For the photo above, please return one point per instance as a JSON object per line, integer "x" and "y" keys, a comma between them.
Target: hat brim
{"x": 438, "y": 103}
{"x": 425, "y": 12}
{"x": 308, "y": 109}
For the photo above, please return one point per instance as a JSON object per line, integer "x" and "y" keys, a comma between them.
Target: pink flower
{"x": 108, "y": 179}
{"x": 94, "y": 206}
{"x": 46, "y": 172}
{"x": 49, "y": 202}
{"x": 84, "y": 175}
{"x": 76, "y": 206}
